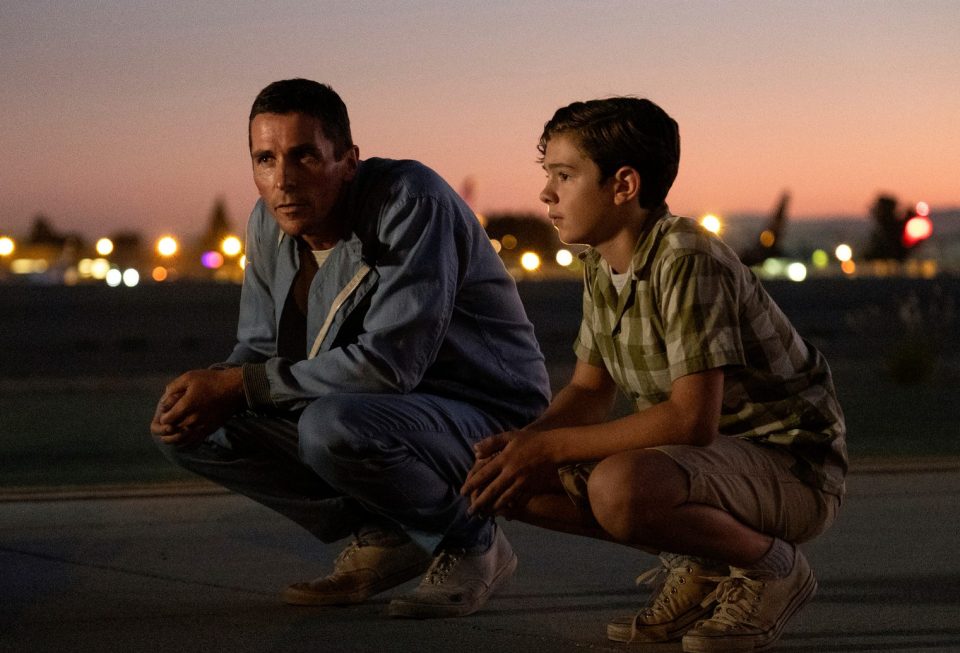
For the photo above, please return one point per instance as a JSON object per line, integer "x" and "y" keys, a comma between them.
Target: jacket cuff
{"x": 256, "y": 385}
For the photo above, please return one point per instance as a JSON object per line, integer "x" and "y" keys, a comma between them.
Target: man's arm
{"x": 508, "y": 462}
{"x": 408, "y": 312}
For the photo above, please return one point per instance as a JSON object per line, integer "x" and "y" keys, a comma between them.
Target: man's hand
{"x": 510, "y": 467}
{"x": 196, "y": 404}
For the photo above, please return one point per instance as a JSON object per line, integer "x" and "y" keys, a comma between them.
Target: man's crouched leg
{"x": 404, "y": 458}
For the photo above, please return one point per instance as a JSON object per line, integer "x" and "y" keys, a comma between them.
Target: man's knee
{"x": 331, "y": 429}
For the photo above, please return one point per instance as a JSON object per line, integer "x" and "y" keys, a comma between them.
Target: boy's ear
{"x": 626, "y": 185}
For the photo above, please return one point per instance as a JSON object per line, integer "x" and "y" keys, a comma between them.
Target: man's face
{"x": 298, "y": 175}
{"x": 578, "y": 204}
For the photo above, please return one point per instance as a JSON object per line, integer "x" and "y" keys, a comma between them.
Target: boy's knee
{"x": 631, "y": 493}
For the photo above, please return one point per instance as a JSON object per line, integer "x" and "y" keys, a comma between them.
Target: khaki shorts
{"x": 752, "y": 482}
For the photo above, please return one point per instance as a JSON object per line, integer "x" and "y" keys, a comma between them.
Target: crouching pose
{"x": 736, "y": 451}
{"x": 380, "y": 337}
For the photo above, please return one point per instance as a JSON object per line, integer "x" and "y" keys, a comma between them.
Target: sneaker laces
{"x": 442, "y": 565}
{"x": 664, "y": 580}
{"x": 347, "y": 553}
{"x": 738, "y": 599}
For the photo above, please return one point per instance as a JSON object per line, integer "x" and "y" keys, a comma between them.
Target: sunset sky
{"x": 121, "y": 114}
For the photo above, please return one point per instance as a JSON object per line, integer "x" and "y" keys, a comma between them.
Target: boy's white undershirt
{"x": 619, "y": 280}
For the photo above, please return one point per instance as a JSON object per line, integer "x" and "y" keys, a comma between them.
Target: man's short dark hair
{"x": 623, "y": 131}
{"x": 313, "y": 99}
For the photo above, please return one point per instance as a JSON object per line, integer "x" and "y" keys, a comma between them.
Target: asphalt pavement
{"x": 187, "y": 567}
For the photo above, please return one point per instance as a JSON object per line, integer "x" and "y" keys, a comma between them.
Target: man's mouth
{"x": 291, "y": 206}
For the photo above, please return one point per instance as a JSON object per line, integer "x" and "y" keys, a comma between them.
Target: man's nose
{"x": 286, "y": 176}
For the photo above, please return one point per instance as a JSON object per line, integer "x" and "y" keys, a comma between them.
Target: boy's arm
{"x": 586, "y": 399}
{"x": 508, "y": 462}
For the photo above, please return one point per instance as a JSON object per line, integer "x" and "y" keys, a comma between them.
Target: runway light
{"x": 564, "y": 257}
{"x": 99, "y": 268}
{"x": 104, "y": 247}
{"x": 923, "y": 209}
{"x": 820, "y": 259}
{"x": 772, "y": 267}
{"x": 130, "y": 277}
{"x": 848, "y": 267}
{"x": 711, "y": 223}
{"x": 843, "y": 252}
{"x": 509, "y": 241}
{"x": 530, "y": 261}
{"x": 159, "y": 273}
{"x": 6, "y": 246}
{"x": 211, "y": 260}
{"x": 231, "y": 246}
{"x": 917, "y": 228}
{"x": 167, "y": 246}
{"x": 114, "y": 277}
{"x": 28, "y": 266}
{"x": 768, "y": 238}
{"x": 796, "y": 271}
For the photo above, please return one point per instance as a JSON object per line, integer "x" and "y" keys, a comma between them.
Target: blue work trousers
{"x": 352, "y": 461}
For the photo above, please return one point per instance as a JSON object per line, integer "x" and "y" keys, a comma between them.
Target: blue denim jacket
{"x": 414, "y": 300}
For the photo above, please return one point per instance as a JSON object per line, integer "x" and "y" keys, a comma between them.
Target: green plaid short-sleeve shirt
{"x": 690, "y": 305}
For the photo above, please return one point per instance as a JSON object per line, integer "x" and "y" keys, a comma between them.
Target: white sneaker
{"x": 752, "y": 609}
{"x": 681, "y": 584}
{"x": 457, "y": 583}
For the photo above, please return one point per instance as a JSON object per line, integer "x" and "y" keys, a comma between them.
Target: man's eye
{"x": 562, "y": 176}
{"x": 263, "y": 160}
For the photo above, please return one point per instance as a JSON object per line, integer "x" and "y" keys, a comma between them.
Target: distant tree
{"x": 886, "y": 241}
{"x": 43, "y": 233}
{"x": 218, "y": 226}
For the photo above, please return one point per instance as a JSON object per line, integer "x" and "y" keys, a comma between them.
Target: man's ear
{"x": 626, "y": 185}
{"x": 352, "y": 159}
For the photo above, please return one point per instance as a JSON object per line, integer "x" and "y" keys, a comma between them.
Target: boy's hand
{"x": 509, "y": 468}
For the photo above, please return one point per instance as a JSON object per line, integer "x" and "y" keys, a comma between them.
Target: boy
{"x": 736, "y": 451}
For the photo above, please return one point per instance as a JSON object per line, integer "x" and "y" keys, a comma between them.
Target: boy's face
{"x": 577, "y": 203}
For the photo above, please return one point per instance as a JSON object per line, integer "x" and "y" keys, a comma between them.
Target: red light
{"x": 917, "y": 228}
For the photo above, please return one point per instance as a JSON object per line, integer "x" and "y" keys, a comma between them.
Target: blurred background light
{"x": 231, "y": 246}
{"x": 529, "y": 261}
{"x": 564, "y": 257}
{"x": 104, "y": 247}
{"x": 167, "y": 246}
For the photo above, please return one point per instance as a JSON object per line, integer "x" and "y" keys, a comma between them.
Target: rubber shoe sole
{"x": 299, "y": 595}
{"x": 405, "y": 609}
{"x": 620, "y": 629}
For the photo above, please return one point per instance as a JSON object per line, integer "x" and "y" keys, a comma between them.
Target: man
{"x": 736, "y": 451}
{"x": 379, "y": 338}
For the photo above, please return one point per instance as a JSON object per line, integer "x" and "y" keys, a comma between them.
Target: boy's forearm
{"x": 574, "y": 406}
{"x": 690, "y": 417}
